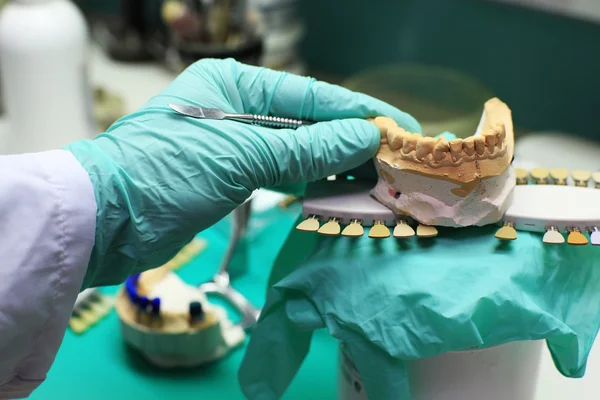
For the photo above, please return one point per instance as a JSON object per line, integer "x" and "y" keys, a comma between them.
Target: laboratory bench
{"x": 98, "y": 365}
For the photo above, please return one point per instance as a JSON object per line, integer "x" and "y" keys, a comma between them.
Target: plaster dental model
{"x": 427, "y": 182}
{"x": 456, "y": 183}
{"x": 172, "y": 323}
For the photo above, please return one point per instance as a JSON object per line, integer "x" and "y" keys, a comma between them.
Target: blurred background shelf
{"x": 544, "y": 64}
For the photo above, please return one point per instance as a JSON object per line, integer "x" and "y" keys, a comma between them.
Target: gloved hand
{"x": 391, "y": 301}
{"x": 160, "y": 177}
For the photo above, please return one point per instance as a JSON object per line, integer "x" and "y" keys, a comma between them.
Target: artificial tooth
{"x": 468, "y": 145}
{"x": 479, "y": 144}
{"x": 500, "y": 131}
{"x": 576, "y": 238}
{"x": 553, "y": 236}
{"x": 581, "y": 178}
{"x": 596, "y": 179}
{"x": 310, "y": 224}
{"x": 521, "y": 176}
{"x": 395, "y": 137}
{"x": 379, "y": 230}
{"x": 559, "y": 175}
{"x": 594, "y": 236}
{"x": 440, "y": 149}
{"x": 455, "y": 148}
{"x": 403, "y": 230}
{"x": 410, "y": 143}
{"x": 507, "y": 232}
{"x": 384, "y": 124}
{"x": 540, "y": 176}
{"x": 330, "y": 228}
{"x": 490, "y": 140}
{"x": 424, "y": 147}
{"x": 426, "y": 231}
{"x": 354, "y": 229}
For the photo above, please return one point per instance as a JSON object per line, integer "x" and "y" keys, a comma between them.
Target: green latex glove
{"x": 160, "y": 177}
{"x": 390, "y": 301}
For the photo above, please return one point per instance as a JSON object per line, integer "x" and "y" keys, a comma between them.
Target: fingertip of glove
{"x": 359, "y": 133}
{"x": 371, "y": 133}
{"x": 403, "y": 119}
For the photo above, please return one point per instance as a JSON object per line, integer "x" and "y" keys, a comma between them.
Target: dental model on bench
{"x": 171, "y": 323}
{"x": 457, "y": 183}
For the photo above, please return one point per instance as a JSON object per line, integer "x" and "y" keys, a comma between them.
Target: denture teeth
{"x": 479, "y": 144}
{"x": 455, "y": 148}
{"x": 395, "y": 137}
{"x": 384, "y": 124}
{"x": 424, "y": 147}
{"x": 440, "y": 149}
{"x": 490, "y": 139}
{"x": 469, "y": 145}
{"x": 500, "y": 131}
{"x": 410, "y": 143}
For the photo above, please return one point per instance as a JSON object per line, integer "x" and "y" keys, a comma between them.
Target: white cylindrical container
{"x": 43, "y": 63}
{"x": 506, "y": 372}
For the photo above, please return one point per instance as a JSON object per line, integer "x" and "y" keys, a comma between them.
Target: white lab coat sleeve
{"x": 47, "y": 227}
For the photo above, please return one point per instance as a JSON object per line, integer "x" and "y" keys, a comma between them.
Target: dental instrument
{"x": 216, "y": 114}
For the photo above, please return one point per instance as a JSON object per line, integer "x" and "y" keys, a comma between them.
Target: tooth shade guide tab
{"x": 403, "y": 230}
{"x": 330, "y": 228}
{"x": 521, "y": 174}
{"x": 507, "y": 232}
{"x": 355, "y": 229}
{"x": 576, "y": 238}
{"x": 379, "y": 231}
{"x": 426, "y": 231}
{"x": 311, "y": 224}
{"x": 540, "y": 176}
{"x": 553, "y": 236}
{"x": 596, "y": 179}
{"x": 559, "y": 176}
{"x": 581, "y": 178}
{"x": 594, "y": 236}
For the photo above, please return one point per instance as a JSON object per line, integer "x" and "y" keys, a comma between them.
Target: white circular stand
{"x": 506, "y": 372}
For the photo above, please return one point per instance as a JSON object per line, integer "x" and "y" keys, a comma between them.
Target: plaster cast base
{"x": 485, "y": 204}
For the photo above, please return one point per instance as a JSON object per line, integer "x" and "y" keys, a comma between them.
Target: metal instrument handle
{"x": 277, "y": 122}
{"x": 271, "y": 122}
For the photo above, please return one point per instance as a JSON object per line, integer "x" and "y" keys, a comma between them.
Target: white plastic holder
{"x": 44, "y": 69}
{"x": 505, "y": 372}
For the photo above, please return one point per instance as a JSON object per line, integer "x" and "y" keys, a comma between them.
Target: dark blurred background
{"x": 544, "y": 65}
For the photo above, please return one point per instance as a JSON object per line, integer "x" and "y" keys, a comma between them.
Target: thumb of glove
{"x": 317, "y": 151}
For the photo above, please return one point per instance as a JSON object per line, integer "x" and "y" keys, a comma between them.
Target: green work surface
{"x": 98, "y": 365}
